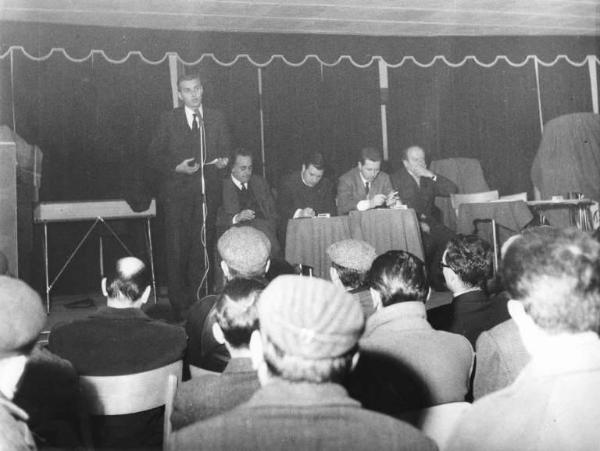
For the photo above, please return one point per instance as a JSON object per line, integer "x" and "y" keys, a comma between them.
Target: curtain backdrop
{"x": 93, "y": 114}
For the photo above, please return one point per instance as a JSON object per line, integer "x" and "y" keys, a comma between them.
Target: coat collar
{"x": 301, "y": 394}
{"x": 404, "y": 316}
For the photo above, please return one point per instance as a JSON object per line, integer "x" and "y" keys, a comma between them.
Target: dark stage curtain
{"x": 470, "y": 111}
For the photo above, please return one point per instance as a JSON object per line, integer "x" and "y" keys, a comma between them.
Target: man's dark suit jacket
{"x": 261, "y": 192}
{"x": 174, "y": 142}
{"x": 294, "y": 194}
{"x": 421, "y": 198}
{"x": 113, "y": 342}
{"x": 469, "y": 314}
{"x": 351, "y": 189}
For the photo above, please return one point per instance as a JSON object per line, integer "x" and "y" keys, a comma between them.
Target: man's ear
{"x": 355, "y": 359}
{"x": 225, "y": 269}
{"x": 267, "y": 266}
{"x": 531, "y": 335}
{"x": 333, "y": 274}
{"x": 145, "y": 295}
{"x": 103, "y": 285}
{"x": 218, "y": 333}
{"x": 256, "y": 350}
{"x": 376, "y": 297}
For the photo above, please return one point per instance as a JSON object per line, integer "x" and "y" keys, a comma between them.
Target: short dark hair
{"x": 240, "y": 152}
{"x": 235, "y": 310}
{"x": 471, "y": 258}
{"x": 188, "y": 77}
{"x": 399, "y": 276}
{"x": 315, "y": 159}
{"x": 370, "y": 153}
{"x": 556, "y": 274}
{"x": 129, "y": 284}
{"x": 350, "y": 278}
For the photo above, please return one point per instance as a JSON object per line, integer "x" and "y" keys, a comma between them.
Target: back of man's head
{"x": 22, "y": 317}
{"x": 309, "y": 328}
{"x": 128, "y": 283}
{"x": 235, "y": 310}
{"x": 245, "y": 252}
{"x": 470, "y": 258}
{"x": 399, "y": 276}
{"x": 556, "y": 275}
{"x": 351, "y": 259}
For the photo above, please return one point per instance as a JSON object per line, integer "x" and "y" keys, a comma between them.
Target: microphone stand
{"x": 203, "y": 281}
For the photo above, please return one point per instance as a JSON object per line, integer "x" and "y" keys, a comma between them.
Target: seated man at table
{"x": 210, "y": 394}
{"x": 121, "y": 339}
{"x": 305, "y": 347}
{"x": 554, "y": 404}
{"x": 306, "y": 193}
{"x": 365, "y": 186}
{"x": 417, "y": 188}
{"x": 247, "y": 200}
{"x": 466, "y": 266}
{"x": 350, "y": 262}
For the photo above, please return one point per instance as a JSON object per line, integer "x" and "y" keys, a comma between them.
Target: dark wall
{"x": 93, "y": 119}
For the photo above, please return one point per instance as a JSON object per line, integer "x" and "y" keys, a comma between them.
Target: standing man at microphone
{"x": 186, "y": 136}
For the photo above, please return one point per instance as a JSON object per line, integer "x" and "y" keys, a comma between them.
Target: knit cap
{"x": 22, "y": 315}
{"x": 352, "y": 254}
{"x": 244, "y": 249}
{"x": 309, "y": 317}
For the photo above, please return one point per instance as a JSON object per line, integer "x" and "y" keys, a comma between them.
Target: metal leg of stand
{"x": 101, "y": 255}
{"x": 46, "y": 267}
{"x": 149, "y": 231}
{"x": 495, "y": 239}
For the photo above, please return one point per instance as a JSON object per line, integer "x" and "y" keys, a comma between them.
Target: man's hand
{"x": 244, "y": 215}
{"x": 391, "y": 199}
{"x": 424, "y": 227}
{"x": 422, "y": 171}
{"x": 308, "y": 213}
{"x": 221, "y": 162}
{"x": 378, "y": 200}
{"x": 187, "y": 166}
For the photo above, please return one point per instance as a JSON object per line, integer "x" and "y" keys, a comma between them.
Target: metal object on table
{"x": 93, "y": 210}
{"x": 580, "y": 214}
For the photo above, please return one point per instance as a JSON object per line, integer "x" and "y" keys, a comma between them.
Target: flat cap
{"x": 352, "y": 254}
{"x": 22, "y": 315}
{"x": 309, "y": 317}
{"x": 244, "y": 249}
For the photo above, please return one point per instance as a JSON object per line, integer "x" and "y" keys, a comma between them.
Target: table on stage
{"x": 92, "y": 210}
{"x": 308, "y": 238}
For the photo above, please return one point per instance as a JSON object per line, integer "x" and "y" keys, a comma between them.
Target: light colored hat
{"x": 309, "y": 317}
{"x": 352, "y": 254}
{"x": 22, "y": 315}
{"x": 244, "y": 249}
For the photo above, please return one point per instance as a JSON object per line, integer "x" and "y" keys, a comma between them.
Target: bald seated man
{"x": 121, "y": 339}
{"x": 22, "y": 318}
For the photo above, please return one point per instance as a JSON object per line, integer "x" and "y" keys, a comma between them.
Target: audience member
{"x": 22, "y": 318}
{"x": 244, "y": 252}
{"x": 417, "y": 188}
{"x": 49, "y": 393}
{"x": 365, "y": 186}
{"x": 210, "y": 395}
{"x": 501, "y": 354}
{"x": 466, "y": 266}
{"x": 247, "y": 200}
{"x": 405, "y": 364}
{"x": 350, "y": 262}
{"x": 307, "y": 344}
{"x": 554, "y": 404}
{"x": 121, "y": 339}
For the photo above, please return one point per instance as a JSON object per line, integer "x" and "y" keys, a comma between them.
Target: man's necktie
{"x": 196, "y": 121}
{"x": 367, "y": 186}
